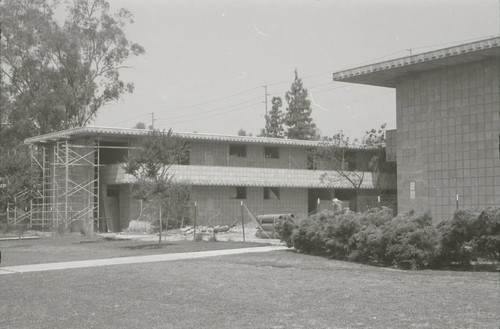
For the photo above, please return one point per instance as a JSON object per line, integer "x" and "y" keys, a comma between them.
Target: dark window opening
{"x": 112, "y": 152}
{"x": 112, "y": 190}
{"x": 272, "y": 152}
{"x": 312, "y": 159}
{"x": 183, "y": 159}
{"x": 271, "y": 193}
{"x": 237, "y": 151}
{"x": 241, "y": 192}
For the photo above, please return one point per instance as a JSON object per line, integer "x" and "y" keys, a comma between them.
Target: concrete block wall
{"x": 217, "y": 154}
{"x": 391, "y": 145}
{"x": 211, "y": 199}
{"x": 448, "y": 138}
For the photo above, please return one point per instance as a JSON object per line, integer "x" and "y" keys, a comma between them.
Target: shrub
{"x": 409, "y": 240}
{"x": 457, "y": 238}
{"x": 338, "y": 234}
{"x": 306, "y": 237}
{"x": 487, "y": 234}
{"x": 412, "y": 240}
{"x": 284, "y": 227}
{"x": 370, "y": 240}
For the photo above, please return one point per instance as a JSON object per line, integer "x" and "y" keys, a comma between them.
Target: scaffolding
{"x": 67, "y": 189}
{"x": 75, "y": 183}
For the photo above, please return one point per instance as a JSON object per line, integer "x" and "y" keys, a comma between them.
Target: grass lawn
{"x": 280, "y": 289}
{"x": 77, "y": 247}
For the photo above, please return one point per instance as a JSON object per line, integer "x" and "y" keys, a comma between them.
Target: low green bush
{"x": 457, "y": 238}
{"x": 370, "y": 240}
{"x": 409, "y": 240}
{"x": 306, "y": 236}
{"x": 337, "y": 235}
{"x": 488, "y": 234}
{"x": 284, "y": 227}
{"x": 413, "y": 241}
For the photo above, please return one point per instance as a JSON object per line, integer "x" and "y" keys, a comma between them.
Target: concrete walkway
{"x": 133, "y": 260}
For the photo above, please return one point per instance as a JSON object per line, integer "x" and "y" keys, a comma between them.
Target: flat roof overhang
{"x": 103, "y": 132}
{"x": 387, "y": 74}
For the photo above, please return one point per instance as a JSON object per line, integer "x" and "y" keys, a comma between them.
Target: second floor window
{"x": 241, "y": 192}
{"x": 272, "y": 153}
{"x": 237, "y": 151}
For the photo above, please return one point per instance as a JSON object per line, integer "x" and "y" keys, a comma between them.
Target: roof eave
{"x": 129, "y": 132}
{"x": 387, "y": 73}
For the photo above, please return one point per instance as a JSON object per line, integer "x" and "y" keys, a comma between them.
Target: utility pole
{"x": 265, "y": 96}
{"x": 152, "y": 121}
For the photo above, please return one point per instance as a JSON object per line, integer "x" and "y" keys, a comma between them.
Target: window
{"x": 241, "y": 192}
{"x": 112, "y": 190}
{"x": 112, "y": 152}
{"x": 183, "y": 159}
{"x": 271, "y": 152}
{"x": 237, "y": 151}
{"x": 271, "y": 193}
{"x": 312, "y": 160}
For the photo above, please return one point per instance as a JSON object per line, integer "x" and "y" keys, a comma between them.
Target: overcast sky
{"x": 206, "y": 61}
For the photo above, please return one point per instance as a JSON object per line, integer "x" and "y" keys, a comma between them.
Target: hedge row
{"x": 409, "y": 240}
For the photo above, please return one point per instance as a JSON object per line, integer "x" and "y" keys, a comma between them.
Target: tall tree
{"x": 274, "y": 120}
{"x": 298, "y": 113}
{"x": 59, "y": 75}
{"x": 56, "y": 76}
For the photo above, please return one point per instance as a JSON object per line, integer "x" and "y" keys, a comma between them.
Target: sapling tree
{"x": 150, "y": 165}
{"x": 333, "y": 154}
{"x": 375, "y": 138}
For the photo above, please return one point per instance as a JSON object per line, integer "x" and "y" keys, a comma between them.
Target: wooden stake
{"x": 194, "y": 230}
{"x": 159, "y": 240}
{"x": 242, "y": 223}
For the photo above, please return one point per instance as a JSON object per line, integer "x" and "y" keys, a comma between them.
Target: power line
{"x": 265, "y": 97}
{"x": 209, "y": 101}
{"x": 217, "y": 114}
{"x": 209, "y": 111}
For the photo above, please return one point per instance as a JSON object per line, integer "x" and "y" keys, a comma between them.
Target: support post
{"x": 55, "y": 209}
{"x": 242, "y": 222}
{"x": 31, "y": 213}
{"x": 317, "y": 206}
{"x": 194, "y": 230}
{"x": 159, "y": 210}
{"x": 66, "y": 186}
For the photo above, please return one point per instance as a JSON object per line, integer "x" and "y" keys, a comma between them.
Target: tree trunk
{"x": 159, "y": 239}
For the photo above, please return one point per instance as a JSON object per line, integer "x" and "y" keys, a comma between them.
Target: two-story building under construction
{"x": 83, "y": 180}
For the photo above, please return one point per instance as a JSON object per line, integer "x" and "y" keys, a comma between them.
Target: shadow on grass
{"x": 474, "y": 267}
{"x": 150, "y": 246}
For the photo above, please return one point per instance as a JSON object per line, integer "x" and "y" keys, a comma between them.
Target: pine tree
{"x": 298, "y": 114}
{"x": 274, "y": 120}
